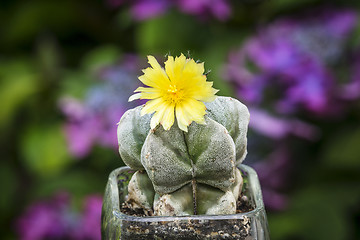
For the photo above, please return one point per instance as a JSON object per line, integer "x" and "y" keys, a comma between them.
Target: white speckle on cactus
{"x": 166, "y": 160}
{"x": 179, "y": 203}
{"x": 132, "y": 131}
{"x": 212, "y": 200}
{"x": 237, "y": 186}
{"x": 205, "y": 153}
{"x": 234, "y": 116}
{"x": 213, "y": 153}
{"x": 141, "y": 192}
{"x": 225, "y": 205}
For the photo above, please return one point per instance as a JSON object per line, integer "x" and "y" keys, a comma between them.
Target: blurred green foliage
{"x": 18, "y": 84}
{"x": 44, "y": 150}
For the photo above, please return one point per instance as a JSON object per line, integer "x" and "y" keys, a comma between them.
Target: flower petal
{"x": 195, "y": 110}
{"x": 154, "y": 78}
{"x": 153, "y": 62}
{"x": 169, "y": 117}
{"x": 148, "y": 93}
{"x": 194, "y": 68}
{"x": 181, "y": 117}
{"x": 169, "y": 67}
{"x": 151, "y": 106}
{"x": 144, "y": 89}
{"x": 134, "y": 97}
{"x": 175, "y": 67}
{"x": 158, "y": 116}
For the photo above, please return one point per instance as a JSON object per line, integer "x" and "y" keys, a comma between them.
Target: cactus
{"x": 186, "y": 173}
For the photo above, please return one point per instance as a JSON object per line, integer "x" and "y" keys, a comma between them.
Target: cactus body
{"x": 141, "y": 191}
{"x": 234, "y": 116}
{"x": 190, "y": 172}
{"x": 132, "y": 131}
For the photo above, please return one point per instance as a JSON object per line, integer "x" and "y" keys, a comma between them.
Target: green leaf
{"x": 322, "y": 210}
{"x": 18, "y": 84}
{"x": 342, "y": 150}
{"x": 27, "y": 20}
{"x": 79, "y": 183}
{"x": 100, "y": 57}
{"x": 167, "y": 34}
{"x": 8, "y": 185}
{"x": 281, "y": 5}
{"x": 44, "y": 150}
{"x": 76, "y": 84}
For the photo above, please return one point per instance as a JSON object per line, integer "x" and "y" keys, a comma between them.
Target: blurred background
{"x": 68, "y": 67}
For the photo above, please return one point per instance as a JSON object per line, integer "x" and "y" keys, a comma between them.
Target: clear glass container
{"x": 117, "y": 225}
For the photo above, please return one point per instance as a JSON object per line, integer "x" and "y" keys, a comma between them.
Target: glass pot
{"x": 117, "y": 225}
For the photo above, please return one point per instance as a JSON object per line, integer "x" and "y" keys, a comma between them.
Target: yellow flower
{"x": 180, "y": 89}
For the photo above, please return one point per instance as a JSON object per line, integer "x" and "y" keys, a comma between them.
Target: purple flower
{"x": 340, "y": 23}
{"x": 287, "y": 67}
{"x": 145, "y": 9}
{"x": 272, "y": 50}
{"x": 141, "y": 10}
{"x": 90, "y": 220}
{"x": 307, "y": 85}
{"x": 219, "y": 9}
{"x": 42, "y": 220}
{"x": 278, "y": 128}
{"x": 92, "y": 120}
{"x": 55, "y": 219}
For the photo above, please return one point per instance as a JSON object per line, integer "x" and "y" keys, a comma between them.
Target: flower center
{"x": 172, "y": 89}
{"x": 174, "y": 94}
